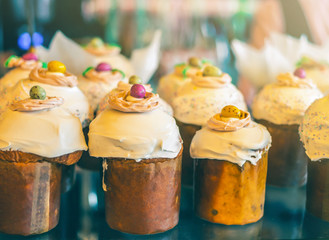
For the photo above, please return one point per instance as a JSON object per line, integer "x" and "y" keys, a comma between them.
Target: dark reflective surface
{"x": 284, "y": 218}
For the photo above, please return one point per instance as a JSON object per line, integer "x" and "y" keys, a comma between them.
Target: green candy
{"x": 135, "y": 80}
{"x": 9, "y": 59}
{"x": 87, "y": 70}
{"x": 195, "y": 62}
{"x": 118, "y": 70}
{"x": 211, "y": 71}
{"x": 37, "y": 92}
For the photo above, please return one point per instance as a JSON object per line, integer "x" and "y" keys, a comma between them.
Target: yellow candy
{"x": 56, "y": 66}
{"x": 231, "y": 111}
{"x": 97, "y": 42}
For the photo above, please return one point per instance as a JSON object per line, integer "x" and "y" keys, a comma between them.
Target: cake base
{"x": 30, "y": 197}
{"x": 228, "y": 194}
{"x": 187, "y": 132}
{"x": 287, "y": 161}
{"x": 317, "y": 198}
{"x": 142, "y": 197}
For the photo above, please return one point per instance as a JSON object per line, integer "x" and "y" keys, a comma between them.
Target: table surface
{"x": 284, "y": 218}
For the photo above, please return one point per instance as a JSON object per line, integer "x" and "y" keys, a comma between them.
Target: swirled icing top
{"x": 42, "y": 75}
{"x": 18, "y": 62}
{"x": 103, "y": 49}
{"x": 123, "y": 102}
{"x": 32, "y": 105}
{"x": 195, "y": 105}
{"x": 96, "y": 85}
{"x": 317, "y": 71}
{"x": 211, "y": 82}
{"x": 285, "y": 101}
{"x": 74, "y": 100}
{"x": 105, "y": 76}
{"x": 236, "y": 140}
{"x": 289, "y": 80}
{"x": 116, "y": 134}
{"x": 124, "y": 86}
{"x": 314, "y": 130}
{"x": 224, "y": 124}
{"x": 49, "y": 134}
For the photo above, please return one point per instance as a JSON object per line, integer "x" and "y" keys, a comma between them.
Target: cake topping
{"x": 230, "y": 119}
{"x": 37, "y": 92}
{"x": 135, "y": 80}
{"x": 211, "y": 71}
{"x": 211, "y": 77}
{"x": 300, "y": 72}
{"x": 195, "y": 62}
{"x": 103, "y": 67}
{"x": 55, "y": 74}
{"x": 27, "y": 62}
{"x": 38, "y": 101}
{"x": 308, "y": 63}
{"x": 289, "y": 80}
{"x": 97, "y": 47}
{"x": 190, "y": 68}
{"x": 136, "y": 99}
{"x": 123, "y": 86}
{"x": 56, "y": 66}
{"x": 103, "y": 73}
{"x": 30, "y": 56}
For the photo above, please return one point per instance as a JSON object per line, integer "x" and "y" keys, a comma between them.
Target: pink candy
{"x": 137, "y": 91}
{"x": 300, "y": 72}
{"x": 30, "y": 56}
{"x": 103, "y": 67}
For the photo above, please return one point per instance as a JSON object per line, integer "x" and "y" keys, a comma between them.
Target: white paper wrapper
{"x": 144, "y": 61}
{"x": 279, "y": 54}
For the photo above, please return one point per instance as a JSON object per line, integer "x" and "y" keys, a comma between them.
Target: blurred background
{"x": 189, "y": 27}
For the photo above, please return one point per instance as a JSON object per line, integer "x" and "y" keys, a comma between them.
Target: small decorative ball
{"x": 211, "y": 71}
{"x": 231, "y": 111}
{"x": 37, "y": 92}
{"x": 300, "y": 72}
{"x": 137, "y": 91}
{"x": 56, "y": 66}
{"x": 135, "y": 80}
{"x": 30, "y": 56}
{"x": 97, "y": 42}
{"x": 195, "y": 62}
{"x": 103, "y": 67}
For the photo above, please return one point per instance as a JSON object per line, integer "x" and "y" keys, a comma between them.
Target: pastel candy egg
{"x": 103, "y": 67}
{"x": 135, "y": 80}
{"x": 231, "y": 111}
{"x": 56, "y": 66}
{"x": 137, "y": 91}
{"x": 37, "y": 92}
{"x": 211, "y": 71}
{"x": 30, "y": 56}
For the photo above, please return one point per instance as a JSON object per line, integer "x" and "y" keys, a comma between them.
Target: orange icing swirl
{"x": 24, "y": 64}
{"x": 290, "y": 80}
{"x": 211, "y": 82}
{"x": 66, "y": 80}
{"x": 118, "y": 101}
{"x": 222, "y": 124}
{"x": 106, "y": 76}
{"x": 190, "y": 71}
{"x": 103, "y": 51}
{"x": 32, "y": 105}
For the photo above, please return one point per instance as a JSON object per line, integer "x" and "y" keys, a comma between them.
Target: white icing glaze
{"x": 45, "y": 133}
{"x": 314, "y": 129}
{"x": 11, "y": 78}
{"x": 283, "y": 104}
{"x": 245, "y": 144}
{"x": 74, "y": 100}
{"x": 195, "y": 105}
{"x": 320, "y": 78}
{"x": 168, "y": 86}
{"x": 96, "y": 91}
{"x": 136, "y": 136}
